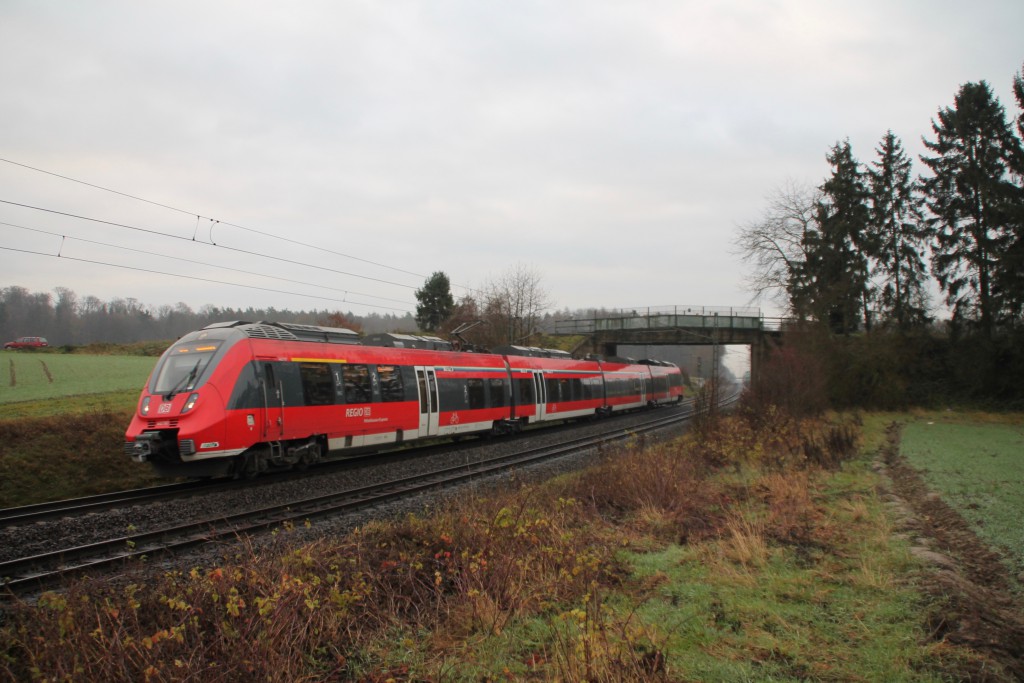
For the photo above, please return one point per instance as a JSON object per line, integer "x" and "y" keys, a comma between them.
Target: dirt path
{"x": 972, "y": 603}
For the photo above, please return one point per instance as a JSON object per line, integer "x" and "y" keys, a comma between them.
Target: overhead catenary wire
{"x": 64, "y": 238}
{"x": 212, "y": 244}
{"x": 202, "y": 279}
{"x": 233, "y": 225}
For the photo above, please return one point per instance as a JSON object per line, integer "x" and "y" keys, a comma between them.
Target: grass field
{"x": 62, "y": 422}
{"x": 976, "y": 463}
{"x": 39, "y": 376}
{"x": 719, "y": 560}
{"x": 672, "y": 562}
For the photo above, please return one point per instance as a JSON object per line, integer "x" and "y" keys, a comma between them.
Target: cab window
{"x": 183, "y": 367}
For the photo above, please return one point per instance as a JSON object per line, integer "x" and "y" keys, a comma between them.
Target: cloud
{"x": 614, "y": 147}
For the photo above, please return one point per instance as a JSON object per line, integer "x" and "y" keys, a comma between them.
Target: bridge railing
{"x": 661, "y": 317}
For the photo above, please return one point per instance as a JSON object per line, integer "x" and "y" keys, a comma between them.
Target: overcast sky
{"x": 612, "y": 147}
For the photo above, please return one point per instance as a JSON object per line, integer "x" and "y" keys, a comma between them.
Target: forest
{"x": 853, "y": 260}
{"x": 66, "y": 319}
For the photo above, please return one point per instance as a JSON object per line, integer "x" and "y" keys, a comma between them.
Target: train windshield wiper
{"x": 185, "y": 381}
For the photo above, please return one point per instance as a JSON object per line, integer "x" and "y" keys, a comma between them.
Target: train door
{"x": 273, "y": 404}
{"x": 541, "y": 393}
{"x": 426, "y": 385}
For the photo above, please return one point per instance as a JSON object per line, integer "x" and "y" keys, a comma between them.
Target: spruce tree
{"x": 899, "y": 234}
{"x": 435, "y": 302}
{"x": 1018, "y": 94}
{"x": 972, "y": 199}
{"x": 1011, "y": 273}
{"x": 835, "y": 277}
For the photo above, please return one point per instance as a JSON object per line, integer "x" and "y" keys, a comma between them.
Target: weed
{"x": 746, "y": 542}
{"x": 49, "y": 458}
{"x": 692, "y": 560}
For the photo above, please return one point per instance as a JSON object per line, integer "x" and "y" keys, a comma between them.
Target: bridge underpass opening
{"x": 696, "y": 359}
{"x": 673, "y": 332}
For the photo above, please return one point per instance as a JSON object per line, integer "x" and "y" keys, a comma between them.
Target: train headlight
{"x": 190, "y": 403}
{"x": 144, "y": 408}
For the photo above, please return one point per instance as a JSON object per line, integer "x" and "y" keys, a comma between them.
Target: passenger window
{"x": 391, "y": 388}
{"x": 475, "y": 393}
{"x": 552, "y": 387}
{"x": 576, "y": 388}
{"x": 497, "y": 388}
{"x": 357, "y": 384}
{"x": 317, "y": 384}
{"x": 525, "y": 393}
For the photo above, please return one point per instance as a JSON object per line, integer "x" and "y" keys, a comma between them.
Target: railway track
{"x": 29, "y": 514}
{"x": 27, "y": 574}
{"x": 39, "y": 512}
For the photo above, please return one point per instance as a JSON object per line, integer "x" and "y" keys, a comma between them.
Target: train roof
{"x": 337, "y": 335}
{"x": 289, "y": 331}
{"x": 407, "y": 341}
{"x": 532, "y": 352}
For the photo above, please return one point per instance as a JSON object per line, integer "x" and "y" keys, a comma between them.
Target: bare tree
{"x": 514, "y": 303}
{"x": 505, "y": 310}
{"x": 776, "y": 244}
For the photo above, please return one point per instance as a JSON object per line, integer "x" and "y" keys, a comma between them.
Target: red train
{"x": 242, "y": 398}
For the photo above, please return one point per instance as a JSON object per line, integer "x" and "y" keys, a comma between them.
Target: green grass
{"x": 791, "y": 612}
{"x": 65, "y": 438}
{"x": 978, "y": 468}
{"x": 785, "y": 574}
{"x": 66, "y": 456}
{"x": 114, "y": 401}
{"x": 33, "y": 377}
{"x": 835, "y": 607}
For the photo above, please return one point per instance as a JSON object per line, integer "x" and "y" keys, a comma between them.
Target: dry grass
{"x": 663, "y": 491}
{"x": 746, "y": 542}
{"x": 418, "y": 598}
{"x": 49, "y": 458}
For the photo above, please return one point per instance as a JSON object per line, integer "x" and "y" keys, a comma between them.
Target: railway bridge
{"x": 606, "y": 331}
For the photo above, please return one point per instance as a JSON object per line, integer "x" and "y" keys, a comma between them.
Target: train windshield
{"x": 183, "y": 366}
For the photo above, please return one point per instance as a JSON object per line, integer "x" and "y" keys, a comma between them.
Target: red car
{"x": 27, "y": 343}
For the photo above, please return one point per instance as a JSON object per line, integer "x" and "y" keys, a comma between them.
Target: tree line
{"x": 66, "y": 319}
{"x": 856, "y": 254}
{"x": 507, "y": 310}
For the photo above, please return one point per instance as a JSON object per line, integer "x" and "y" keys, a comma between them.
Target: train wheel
{"x": 251, "y": 464}
{"x": 310, "y": 456}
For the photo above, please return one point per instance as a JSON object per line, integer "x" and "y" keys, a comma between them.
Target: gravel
{"x": 49, "y": 535}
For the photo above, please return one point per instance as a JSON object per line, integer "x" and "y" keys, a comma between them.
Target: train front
{"x": 178, "y": 426}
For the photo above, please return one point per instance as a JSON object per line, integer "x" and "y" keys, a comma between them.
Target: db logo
{"x": 164, "y": 408}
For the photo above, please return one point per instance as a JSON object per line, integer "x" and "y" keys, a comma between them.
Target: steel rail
{"x": 30, "y": 514}
{"x": 59, "y": 508}
{"x": 39, "y": 571}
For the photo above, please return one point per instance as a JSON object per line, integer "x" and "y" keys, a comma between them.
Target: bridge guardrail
{"x": 662, "y": 317}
